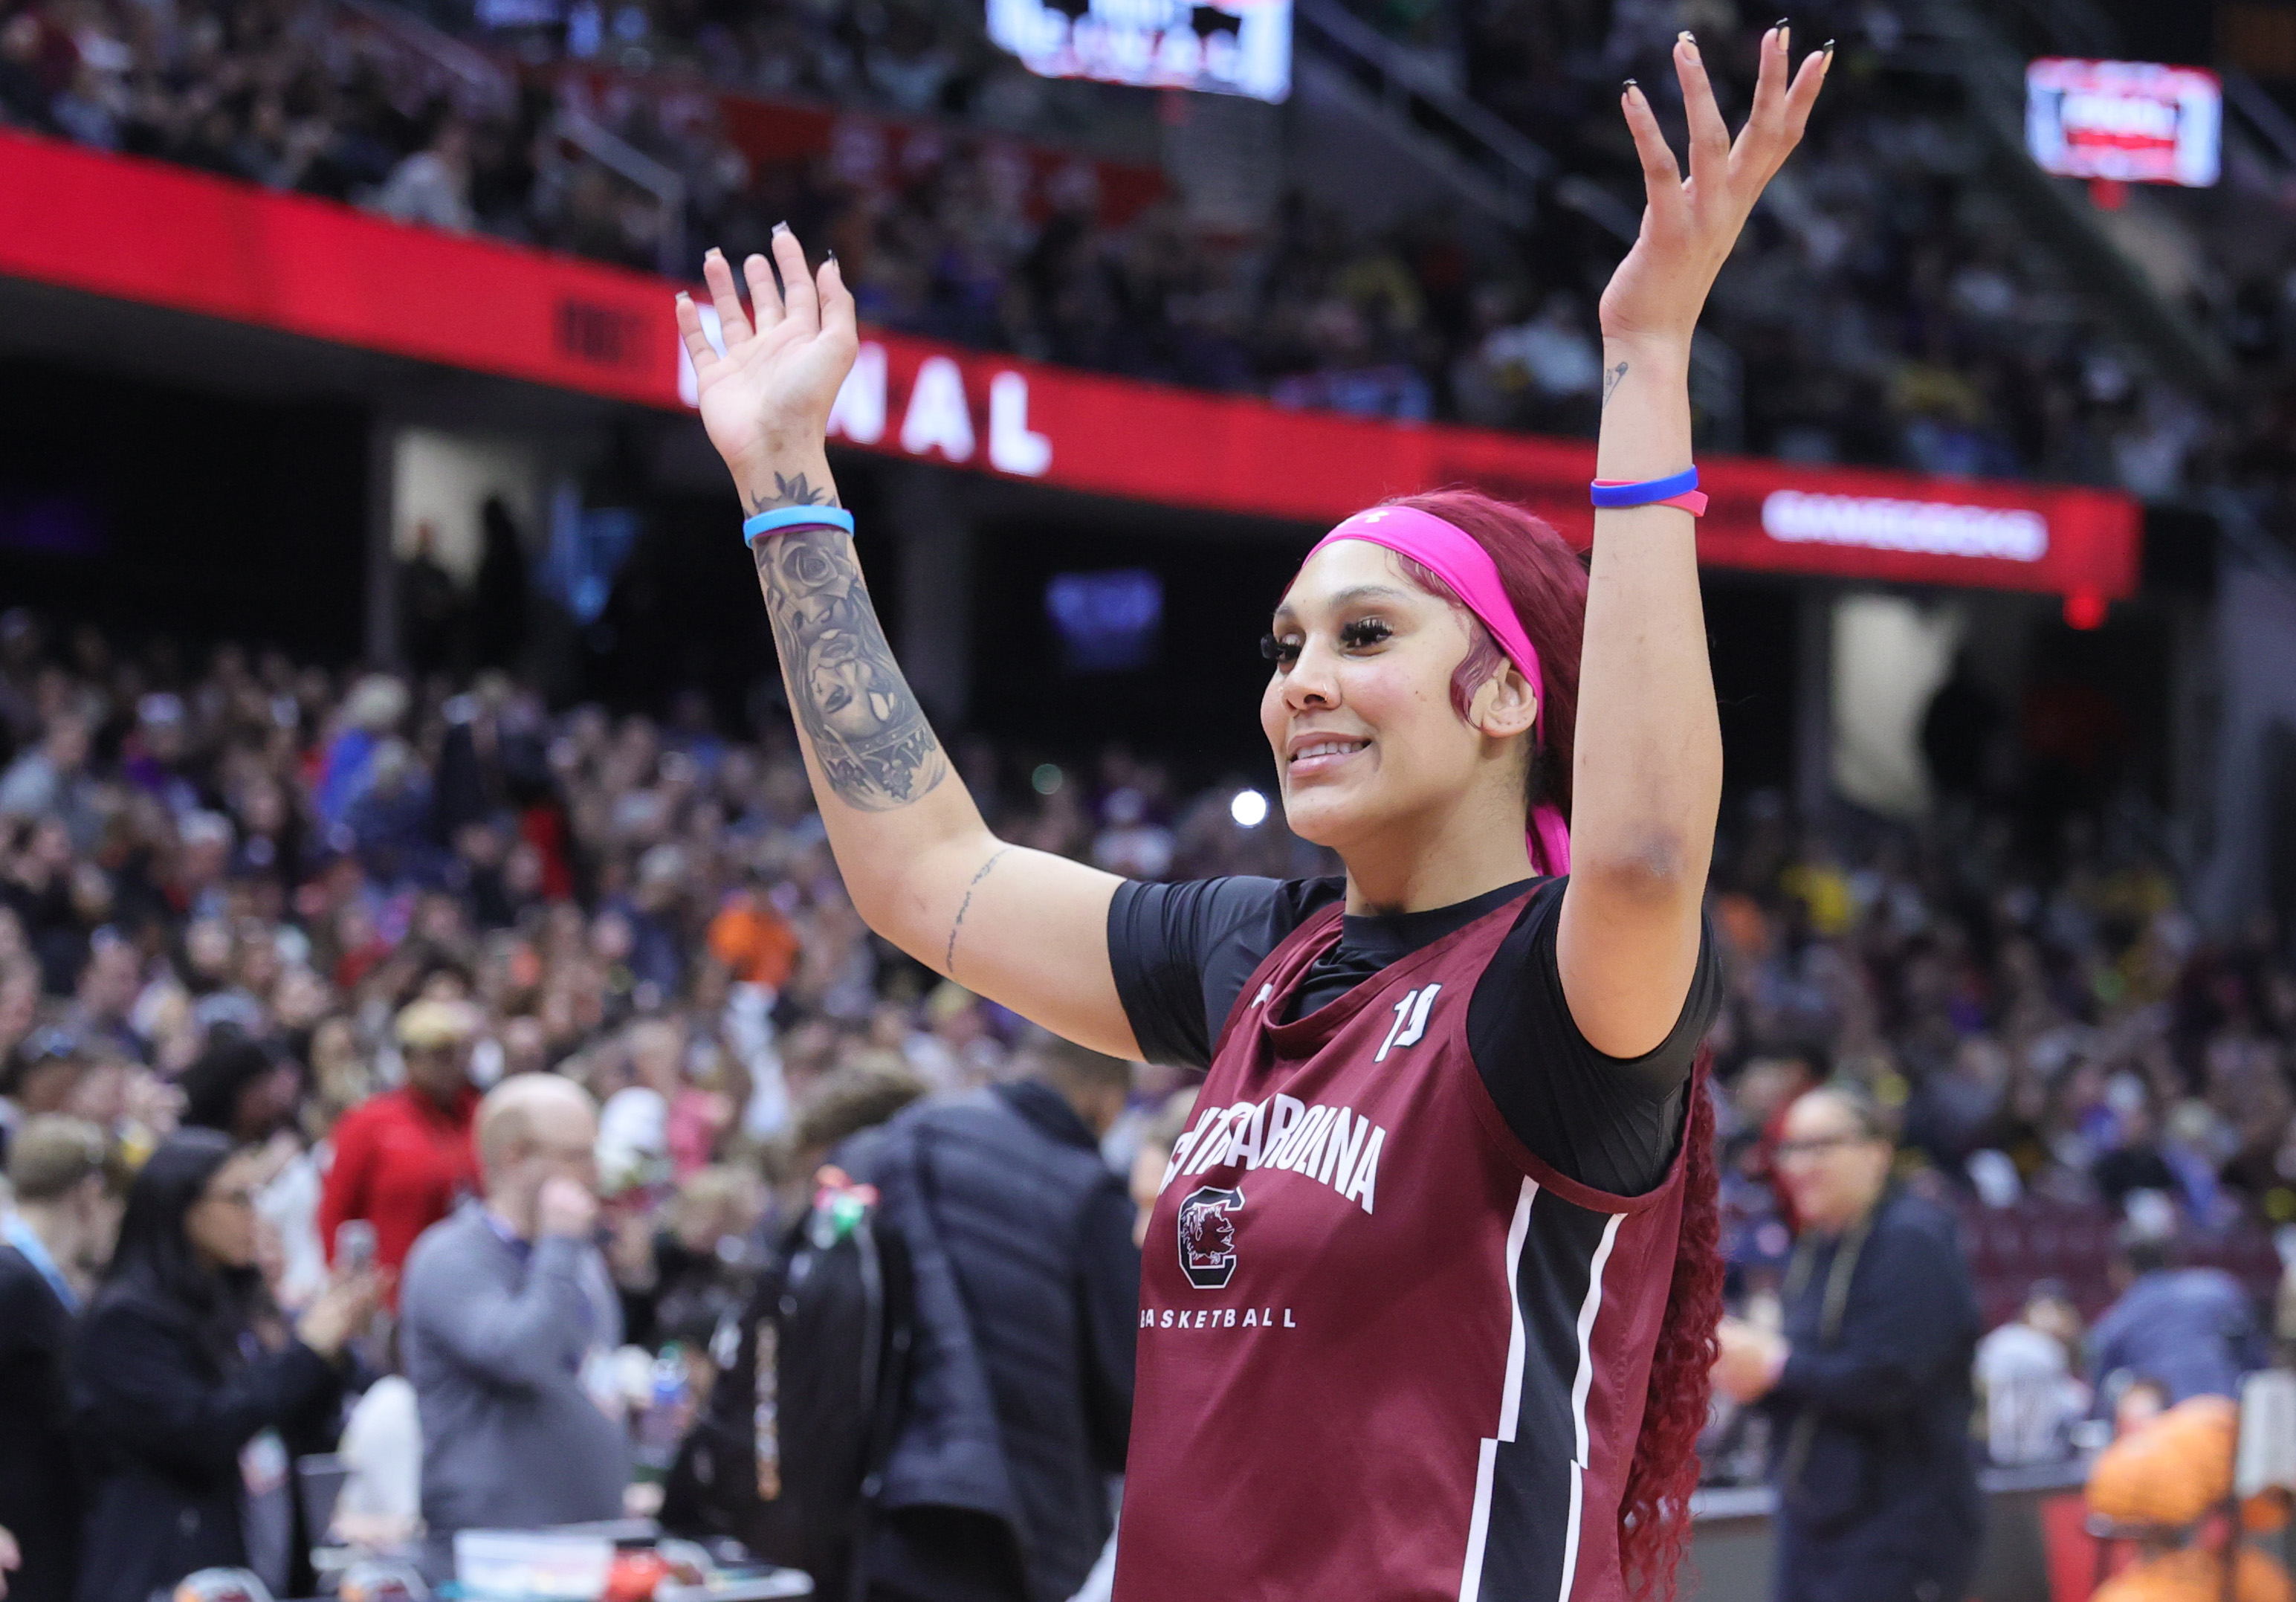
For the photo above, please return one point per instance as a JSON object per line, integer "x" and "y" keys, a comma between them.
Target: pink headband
{"x": 1458, "y": 560}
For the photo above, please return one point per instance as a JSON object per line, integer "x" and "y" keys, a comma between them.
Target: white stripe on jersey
{"x": 1511, "y": 1393}
{"x": 1470, "y": 1583}
{"x": 1587, "y": 1312}
{"x": 1479, "y": 1526}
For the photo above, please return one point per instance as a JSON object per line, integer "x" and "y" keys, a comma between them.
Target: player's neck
{"x": 1420, "y": 870}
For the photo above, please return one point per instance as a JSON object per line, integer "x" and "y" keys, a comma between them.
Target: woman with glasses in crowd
{"x": 190, "y": 1387}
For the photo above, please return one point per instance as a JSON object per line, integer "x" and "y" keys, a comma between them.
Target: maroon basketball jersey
{"x": 1385, "y": 1352}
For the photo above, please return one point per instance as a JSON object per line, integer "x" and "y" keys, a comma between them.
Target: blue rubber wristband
{"x": 781, "y": 519}
{"x": 1646, "y": 493}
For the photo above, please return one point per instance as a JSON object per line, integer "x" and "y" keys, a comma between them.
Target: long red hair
{"x": 1545, "y": 582}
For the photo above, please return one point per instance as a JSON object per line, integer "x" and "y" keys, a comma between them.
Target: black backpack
{"x": 789, "y": 1455}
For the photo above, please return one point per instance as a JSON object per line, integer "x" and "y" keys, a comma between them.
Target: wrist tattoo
{"x": 949, "y": 957}
{"x": 868, "y": 732}
{"x": 1611, "y": 383}
{"x": 790, "y": 492}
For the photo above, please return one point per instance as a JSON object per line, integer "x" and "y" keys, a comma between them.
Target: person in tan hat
{"x": 405, "y": 1158}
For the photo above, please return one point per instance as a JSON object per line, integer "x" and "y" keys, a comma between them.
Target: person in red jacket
{"x": 404, "y": 1159}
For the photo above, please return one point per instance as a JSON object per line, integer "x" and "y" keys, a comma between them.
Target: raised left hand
{"x": 1690, "y": 227}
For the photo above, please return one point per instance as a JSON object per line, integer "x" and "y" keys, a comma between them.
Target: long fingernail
{"x": 713, "y": 251}
{"x": 829, "y": 254}
{"x": 1784, "y": 28}
{"x": 1826, "y": 50}
{"x": 1687, "y": 43}
{"x": 781, "y": 228}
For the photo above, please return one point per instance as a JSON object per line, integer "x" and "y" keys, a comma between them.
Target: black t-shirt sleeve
{"x": 1181, "y": 953}
{"x": 1610, "y": 1122}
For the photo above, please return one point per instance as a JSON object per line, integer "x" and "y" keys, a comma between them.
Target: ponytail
{"x": 1654, "y": 1513}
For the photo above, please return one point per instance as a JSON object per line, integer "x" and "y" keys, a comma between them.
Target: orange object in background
{"x": 2172, "y": 1471}
{"x": 2265, "y": 1511}
{"x": 753, "y": 940}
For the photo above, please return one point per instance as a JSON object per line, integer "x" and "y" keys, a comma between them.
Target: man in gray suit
{"x": 503, "y": 1303}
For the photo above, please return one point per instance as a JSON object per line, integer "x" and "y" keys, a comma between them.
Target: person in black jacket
{"x": 1027, "y": 1284}
{"x": 1868, "y": 1385}
{"x": 188, "y": 1390}
{"x": 66, "y": 1216}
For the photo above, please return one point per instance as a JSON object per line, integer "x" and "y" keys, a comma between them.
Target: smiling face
{"x": 1358, "y": 711}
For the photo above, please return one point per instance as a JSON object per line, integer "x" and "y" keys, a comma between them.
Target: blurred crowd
{"x": 1888, "y": 305}
{"x": 2047, "y": 1030}
{"x": 252, "y": 896}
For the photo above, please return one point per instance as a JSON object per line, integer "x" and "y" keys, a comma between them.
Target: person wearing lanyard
{"x": 50, "y": 1247}
{"x": 1868, "y": 1383}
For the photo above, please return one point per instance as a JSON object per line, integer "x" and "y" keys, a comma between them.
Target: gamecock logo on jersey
{"x": 1208, "y": 1237}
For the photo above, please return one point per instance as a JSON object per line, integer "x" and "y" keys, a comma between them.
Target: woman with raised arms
{"x": 1432, "y": 1283}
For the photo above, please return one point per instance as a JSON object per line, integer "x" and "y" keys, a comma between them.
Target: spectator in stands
{"x": 433, "y": 184}
{"x": 51, "y": 1247}
{"x": 191, "y": 1393}
{"x": 2024, "y": 1374}
{"x": 404, "y": 1159}
{"x": 2194, "y": 1331}
{"x": 42, "y": 1072}
{"x": 505, "y": 1306}
{"x": 51, "y": 781}
{"x": 1051, "y": 1328}
{"x": 239, "y": 1088}
{"x": 1868, "y": 1385}
{"x": 23, "y": 99}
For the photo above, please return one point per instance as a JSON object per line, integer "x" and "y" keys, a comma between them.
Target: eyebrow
{"x": 1351, "y": 596}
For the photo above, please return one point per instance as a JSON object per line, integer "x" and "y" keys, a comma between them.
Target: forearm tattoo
{"x": 868, "y": 732}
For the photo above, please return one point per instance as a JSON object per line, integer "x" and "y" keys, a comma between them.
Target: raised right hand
{"x": 766, "y": 402}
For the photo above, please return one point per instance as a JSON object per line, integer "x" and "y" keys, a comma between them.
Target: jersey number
{"x": 1410, "y": 1020}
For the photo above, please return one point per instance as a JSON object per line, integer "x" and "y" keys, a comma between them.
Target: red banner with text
{"x": 162, "y": 235}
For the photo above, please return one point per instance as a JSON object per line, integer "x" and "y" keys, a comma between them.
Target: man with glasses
{"x": 504, "y": 1305}
{"x": 1868, "y": 1381}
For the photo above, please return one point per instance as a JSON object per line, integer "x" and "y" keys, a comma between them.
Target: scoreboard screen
{"x": 1234, "y": 47}
{"x": 2137, "y": 122}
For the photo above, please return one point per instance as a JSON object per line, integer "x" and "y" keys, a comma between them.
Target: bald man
{"x": 504, "y": 1304}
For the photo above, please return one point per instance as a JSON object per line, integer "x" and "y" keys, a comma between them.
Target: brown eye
{"x": 1284, "y": 653}
{"x": 1363, "y": 634}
